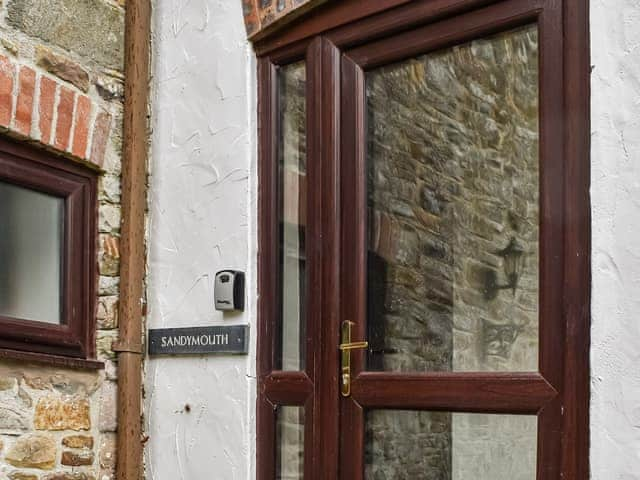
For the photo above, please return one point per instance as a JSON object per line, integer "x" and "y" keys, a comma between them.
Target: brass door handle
{"x": 345, "y": 348}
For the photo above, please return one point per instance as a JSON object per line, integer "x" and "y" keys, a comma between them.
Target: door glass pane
{"x": 290, "y": 443}
{"x": 292, "y": 157}
{"x": 31, "y": 237}
{"x": 453, "y": 186}
{"x": 411, "y": 445}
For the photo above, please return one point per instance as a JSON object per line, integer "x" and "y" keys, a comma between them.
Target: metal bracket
{"x": 120, "y": 347}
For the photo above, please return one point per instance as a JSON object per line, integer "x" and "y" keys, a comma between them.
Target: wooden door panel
{"x": 525, "y": 393}
{"x": 495, "y": 392}
{"x": 337, "y": 438}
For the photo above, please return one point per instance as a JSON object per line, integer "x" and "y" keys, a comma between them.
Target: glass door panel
{"x": 419, "y": 445}
{"x": 290, "y": 443}
{"x": 452, "y": 195}
{"x": 448, "y": 163}
{"x": 292, "y": 164}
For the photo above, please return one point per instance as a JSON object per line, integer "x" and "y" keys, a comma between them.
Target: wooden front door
{"x": 424, "y": 244}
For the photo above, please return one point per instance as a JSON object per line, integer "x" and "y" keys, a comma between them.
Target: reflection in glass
{"x": 453, "y": 208}
{"x": 412, "y": 445}
{"x": 290, "y": 443}
{"x": 293, "y": 193}
{"x": 31, "y": 236}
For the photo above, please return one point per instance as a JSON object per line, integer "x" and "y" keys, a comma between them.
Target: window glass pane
{"x": 31, "y": 236}
{"x": 412, "y": 445}
{"x": 453, "y": 199}
{"x": 293, "y": 194}
{"x": 290, "y": 443}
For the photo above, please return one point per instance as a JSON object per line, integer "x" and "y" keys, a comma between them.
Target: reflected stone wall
{"x": 292, "y": 164}
{"x": 453, "y": 179}
{"x": 290, "y": 443}
{"x": 291, "y": 329}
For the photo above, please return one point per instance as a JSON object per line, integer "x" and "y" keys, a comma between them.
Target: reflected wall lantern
{"x": 512, "y": 260}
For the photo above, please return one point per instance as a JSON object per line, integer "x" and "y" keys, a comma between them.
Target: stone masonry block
{"x": 22, "y": 476}
{"x": 33, "y": 451}
{"x": 78, "y": 441}
{"x": 108, "y": 285}
{"x": 108, "y": 218}
{"x": 109, "y": 255}
{"x": 109, "y": 407}
{"x": 69, "y": 476}
{"x": 63, "y": 68}
{"x": 54, "y": 412}
{"x": 90, "y": 28}
{"x": 9, "y": 46}
{"x": 107, "y": 455}
{"x": 77, "y": 459}
{"x": 104, "y": 343}
{"x": 107, "y": 315}
{"x": 14, "y": 409}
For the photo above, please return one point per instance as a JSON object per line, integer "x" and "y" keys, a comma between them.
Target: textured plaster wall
{"x": 202, "y": 219}
{"x": 615, "y": 351}
{"x": 200, "y": 410}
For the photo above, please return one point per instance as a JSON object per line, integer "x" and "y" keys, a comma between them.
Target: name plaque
{"x": 221, "y": 339}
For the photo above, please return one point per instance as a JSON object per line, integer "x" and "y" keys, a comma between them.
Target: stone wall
{"x": 290, "y": 443}
{"x": 55, "y": 424}
{"x": 61, "y": 89}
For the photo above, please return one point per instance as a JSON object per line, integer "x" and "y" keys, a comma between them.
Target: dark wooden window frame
{"x": 339, "y": 42}
{"x": 72, "y": 342}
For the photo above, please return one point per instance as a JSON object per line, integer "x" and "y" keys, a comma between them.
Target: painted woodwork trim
{"x": 341, "y": 40}
{"x": 77, "y": 185}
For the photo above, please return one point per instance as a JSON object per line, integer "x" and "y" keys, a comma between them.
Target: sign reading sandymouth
{"x": 232, "y": 339}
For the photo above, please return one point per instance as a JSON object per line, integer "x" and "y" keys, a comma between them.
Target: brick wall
{"x": 38, "y": 106}
{"x": 260, "y": 14}
{"x": 61, "y": 89}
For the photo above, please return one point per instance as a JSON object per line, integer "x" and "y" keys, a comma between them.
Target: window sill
{"x": 54, "y": 360}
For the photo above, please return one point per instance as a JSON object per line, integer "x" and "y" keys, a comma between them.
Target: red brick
{"x": 100, "y": 137}
{"x": 65, "y": 118}
{"x": 45, "y": 108}
{"x": 81, "y": 130}
{"x": 24, "y": 107}
{"x": 7, "y": 74}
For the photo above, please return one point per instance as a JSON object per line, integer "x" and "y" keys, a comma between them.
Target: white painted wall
{"x": 202, "y": 219}
{"x": 615, "y": 157}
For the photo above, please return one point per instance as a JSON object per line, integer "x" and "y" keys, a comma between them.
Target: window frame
{"x": 76, "y": 184}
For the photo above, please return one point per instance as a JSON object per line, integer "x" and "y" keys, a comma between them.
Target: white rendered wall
{"x": 202, "y": 219}
{"x": 615, "y": 177}
{"x": 202, "y": 201}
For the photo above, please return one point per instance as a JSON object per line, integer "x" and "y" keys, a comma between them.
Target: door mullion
{"x": 269, "y": 266}
{"x": 323, "y": 157}
{"x": 353, "y": 268}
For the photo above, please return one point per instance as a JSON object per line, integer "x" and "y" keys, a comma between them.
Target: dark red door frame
{"x": 335, "y": 64}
